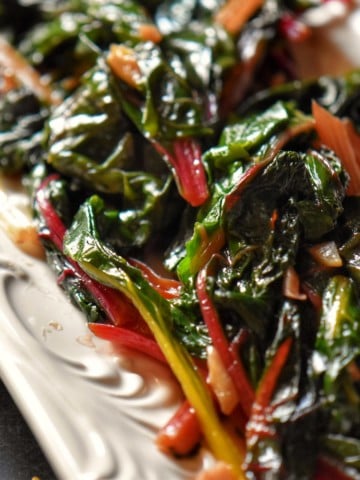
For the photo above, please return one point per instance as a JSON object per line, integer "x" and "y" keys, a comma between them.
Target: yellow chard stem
{"x": 218, "y": 439}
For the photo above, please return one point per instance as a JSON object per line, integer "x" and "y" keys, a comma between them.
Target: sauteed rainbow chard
{"x": 200, "y": 203}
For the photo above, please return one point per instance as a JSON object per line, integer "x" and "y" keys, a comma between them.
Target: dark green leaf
{"x": 337, "y": 342}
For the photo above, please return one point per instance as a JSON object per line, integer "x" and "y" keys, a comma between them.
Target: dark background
{"x": 20, "y": 455}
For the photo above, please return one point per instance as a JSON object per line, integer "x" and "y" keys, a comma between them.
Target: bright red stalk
{"x": 53, "y": 222}
{"x": 166, "y": 287}
{"x": 231, "y": 360}
{"x": 182, "y": 433}
{"x": 340, "y": 136}
{"x": 269, "y": 381}
{"x": 260, "y": 425}
{"x": 189, "y": 170}
{"x": 128, "y": 338}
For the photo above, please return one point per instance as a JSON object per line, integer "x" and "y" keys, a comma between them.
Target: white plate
{"x": 95, "y": 412}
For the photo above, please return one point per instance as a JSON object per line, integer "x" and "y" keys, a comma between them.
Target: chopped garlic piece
{"x": 221, "y": 382}
{"x": 16, "y": 219}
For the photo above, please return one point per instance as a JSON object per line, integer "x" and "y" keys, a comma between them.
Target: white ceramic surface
{"x": 344, "y": 29}
{"x": 94, "y": 411}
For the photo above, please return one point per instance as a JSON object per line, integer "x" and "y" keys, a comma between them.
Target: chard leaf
{"x": 189, "y": 326}
{"x": 227, "y": 164}
{"x": 174, "y": 15}
{"x": 250, "y": 286}
{"x": 308, "y": 182}
{"x": 201, "y": 53}
{"x": 346, "y": 449}
{"x": 76, "y": 129}
{"x": 338, "y": 94}
{"x": 147, "y": 209}
{"x": 261, "y": 251}
{"x": 123, "y": 18}
{"x": 82, "y": 244}
{"x": 76, "y": 133}
{"x": 125, "y": 166}
{"x": 22, "y": 119}
{"x": 164, "y": 107}
{"x": 249, "y": 136}
{"x": 279, "y": 425}
{"x": 337, "y": 342}
{"x": 348, "y": 237}
{"x": 63, "y": 35}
